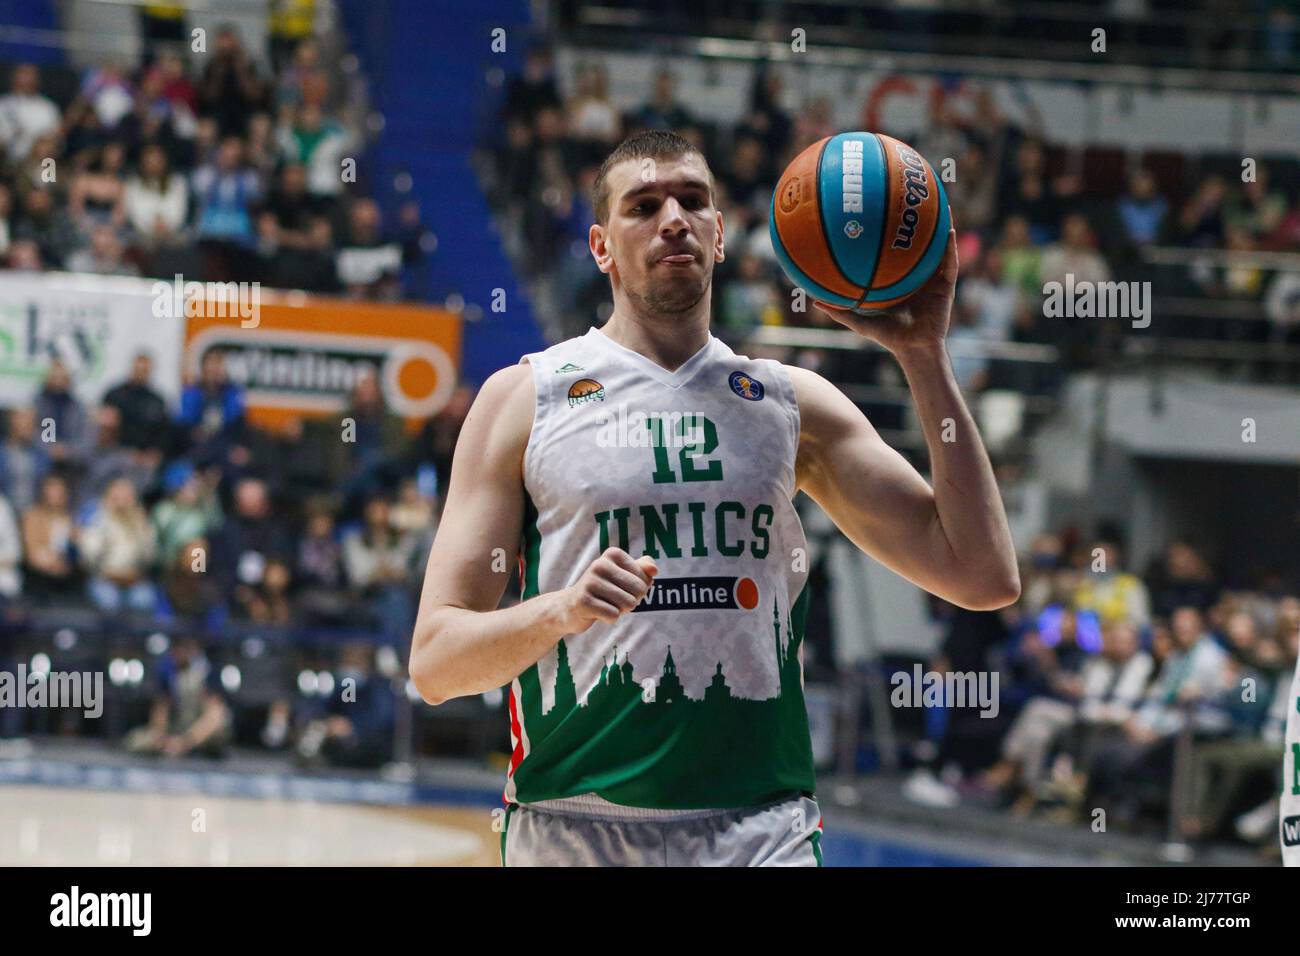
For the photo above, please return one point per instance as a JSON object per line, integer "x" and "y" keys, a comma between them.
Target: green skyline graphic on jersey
{"x": 675, "y": 751}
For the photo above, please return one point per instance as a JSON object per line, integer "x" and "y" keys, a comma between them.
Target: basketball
{"x": 859, "y": 221}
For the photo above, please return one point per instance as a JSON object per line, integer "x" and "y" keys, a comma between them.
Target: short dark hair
{"x": 650, "y": 144}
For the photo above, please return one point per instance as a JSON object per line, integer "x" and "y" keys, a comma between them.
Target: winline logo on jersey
{"x": 700, "y": 594}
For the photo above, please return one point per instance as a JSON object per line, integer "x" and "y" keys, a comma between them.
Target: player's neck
{"x": 666, "y": 341}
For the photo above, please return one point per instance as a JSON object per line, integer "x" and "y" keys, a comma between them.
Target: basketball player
{"x": 644, "y": 474}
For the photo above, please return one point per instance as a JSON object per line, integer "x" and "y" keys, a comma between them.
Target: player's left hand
{"x": 921, "y": 321}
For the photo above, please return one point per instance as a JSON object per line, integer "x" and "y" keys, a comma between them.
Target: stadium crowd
{"x": 219, "y": 169}
{"x": 1102, "y": 670}
{"x": 1027, "y": 212}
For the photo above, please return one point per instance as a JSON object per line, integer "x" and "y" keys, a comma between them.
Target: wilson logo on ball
{"x": 915, "y": 192}
{"x": 870, "y": 225}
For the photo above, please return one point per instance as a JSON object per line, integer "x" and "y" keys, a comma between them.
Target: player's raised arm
{"x": 462, "y": 643}
{"x": 951, "y": 539}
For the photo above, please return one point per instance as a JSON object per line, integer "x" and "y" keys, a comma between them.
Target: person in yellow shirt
{"x": 1109, "y": 591}
{"x": 289, "y": 22}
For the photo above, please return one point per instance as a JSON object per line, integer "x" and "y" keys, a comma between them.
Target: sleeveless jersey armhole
{"x": 791, "y": 403}
{"x": 536, "y": 433}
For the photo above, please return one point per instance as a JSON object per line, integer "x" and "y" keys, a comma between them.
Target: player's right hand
{"x": 612, "y": 586}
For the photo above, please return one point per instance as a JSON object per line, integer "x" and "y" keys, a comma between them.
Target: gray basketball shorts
{"x": 785, "y": 833}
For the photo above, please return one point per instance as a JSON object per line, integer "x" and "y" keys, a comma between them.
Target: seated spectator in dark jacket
{"x": 248, "y": 541}
{"x": 212, "y": 411}
{"x": 24, "y": 460}
{"x": 295, "y": 236}
{"x": 64, "y": 426}
{"x": 189, "y": 713}
{"x": 369, "y": 456}
{"x": 1181, "y": 577}
{"x": 146, "y": 426}
{"x": 319, "y": 571}
{"x": 356, "y": 729}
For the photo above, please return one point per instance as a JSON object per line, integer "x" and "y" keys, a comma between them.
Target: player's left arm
{"x": 951, "y": 539}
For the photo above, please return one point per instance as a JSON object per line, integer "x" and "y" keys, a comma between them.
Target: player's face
{"x": 664, "y": 234}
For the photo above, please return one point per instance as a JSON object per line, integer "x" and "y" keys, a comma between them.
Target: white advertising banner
{"x": 96, "y": 324}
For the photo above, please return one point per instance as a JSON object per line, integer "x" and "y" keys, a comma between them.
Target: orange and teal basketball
{"x": 859, "y": 221}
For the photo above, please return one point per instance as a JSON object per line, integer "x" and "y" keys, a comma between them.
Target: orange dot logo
{"x": 791, "y": 194}
{"x": 747, "y": 593}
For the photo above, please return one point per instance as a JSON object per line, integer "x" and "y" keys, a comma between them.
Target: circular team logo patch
{"x": 586, "y": 390}
{"x": 746, "y": 386}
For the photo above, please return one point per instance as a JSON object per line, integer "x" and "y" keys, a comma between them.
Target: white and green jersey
{"x": 695, "y": 698}
{"x": 1290, "y": 809}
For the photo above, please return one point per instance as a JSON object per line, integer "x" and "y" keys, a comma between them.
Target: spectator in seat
{"x": 146, "y": 426}
{"x": 534, "y": 89}
{"x": 231, "y": 88}
{"x": 1142, "y": 210}
{"x": 117, "y": 548}
{"x": 24, "y": 256}
{"x": 268, "y": 602}
{"x": 25, "y": 114}
{"x": 302, "y": 72}
{"x": 1181, "y": 577}
{"x": 367, "y": 262}
{"x": 250, "y": 538}
{"x": 226, "y": 192}
{"x": 1256, "y": 207}
{"x": 1140, "y": 762}
{"x": 97, "y": 196}
{"x": 319, "y": 144}
{"x": 62, "y": 419}
{"x": 319, "y": 568}
{"x": 1076, "y": 254}
{"x": 50, "y": 542}
{"x": 1111, "y": 592}
{"x": 212, "y": 410}
{"x": 662, "y": 110}
{"x": 108, "y": 90}
{"x": 190, "y": 509}
{"x": 189, "y": 712}
{"x": 1201, "y": 220}
{"x": 109, "y": 460}
{"x": 593, "y": 117}
{"x": 295, "y": 235}
{"x": 379, "y": 560}
{"x": 48, "y": 226}
{"x": 371, "y": 452}
{"x": 356, "y": 729}
{"x": 11, "y": 552}
{"x": 157, "y": 200}
{"x": 191, "y": 592}
{"x": 414, "y": 514}
{"x": 105, "y": 255}
{"x": 24, "y": 461}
